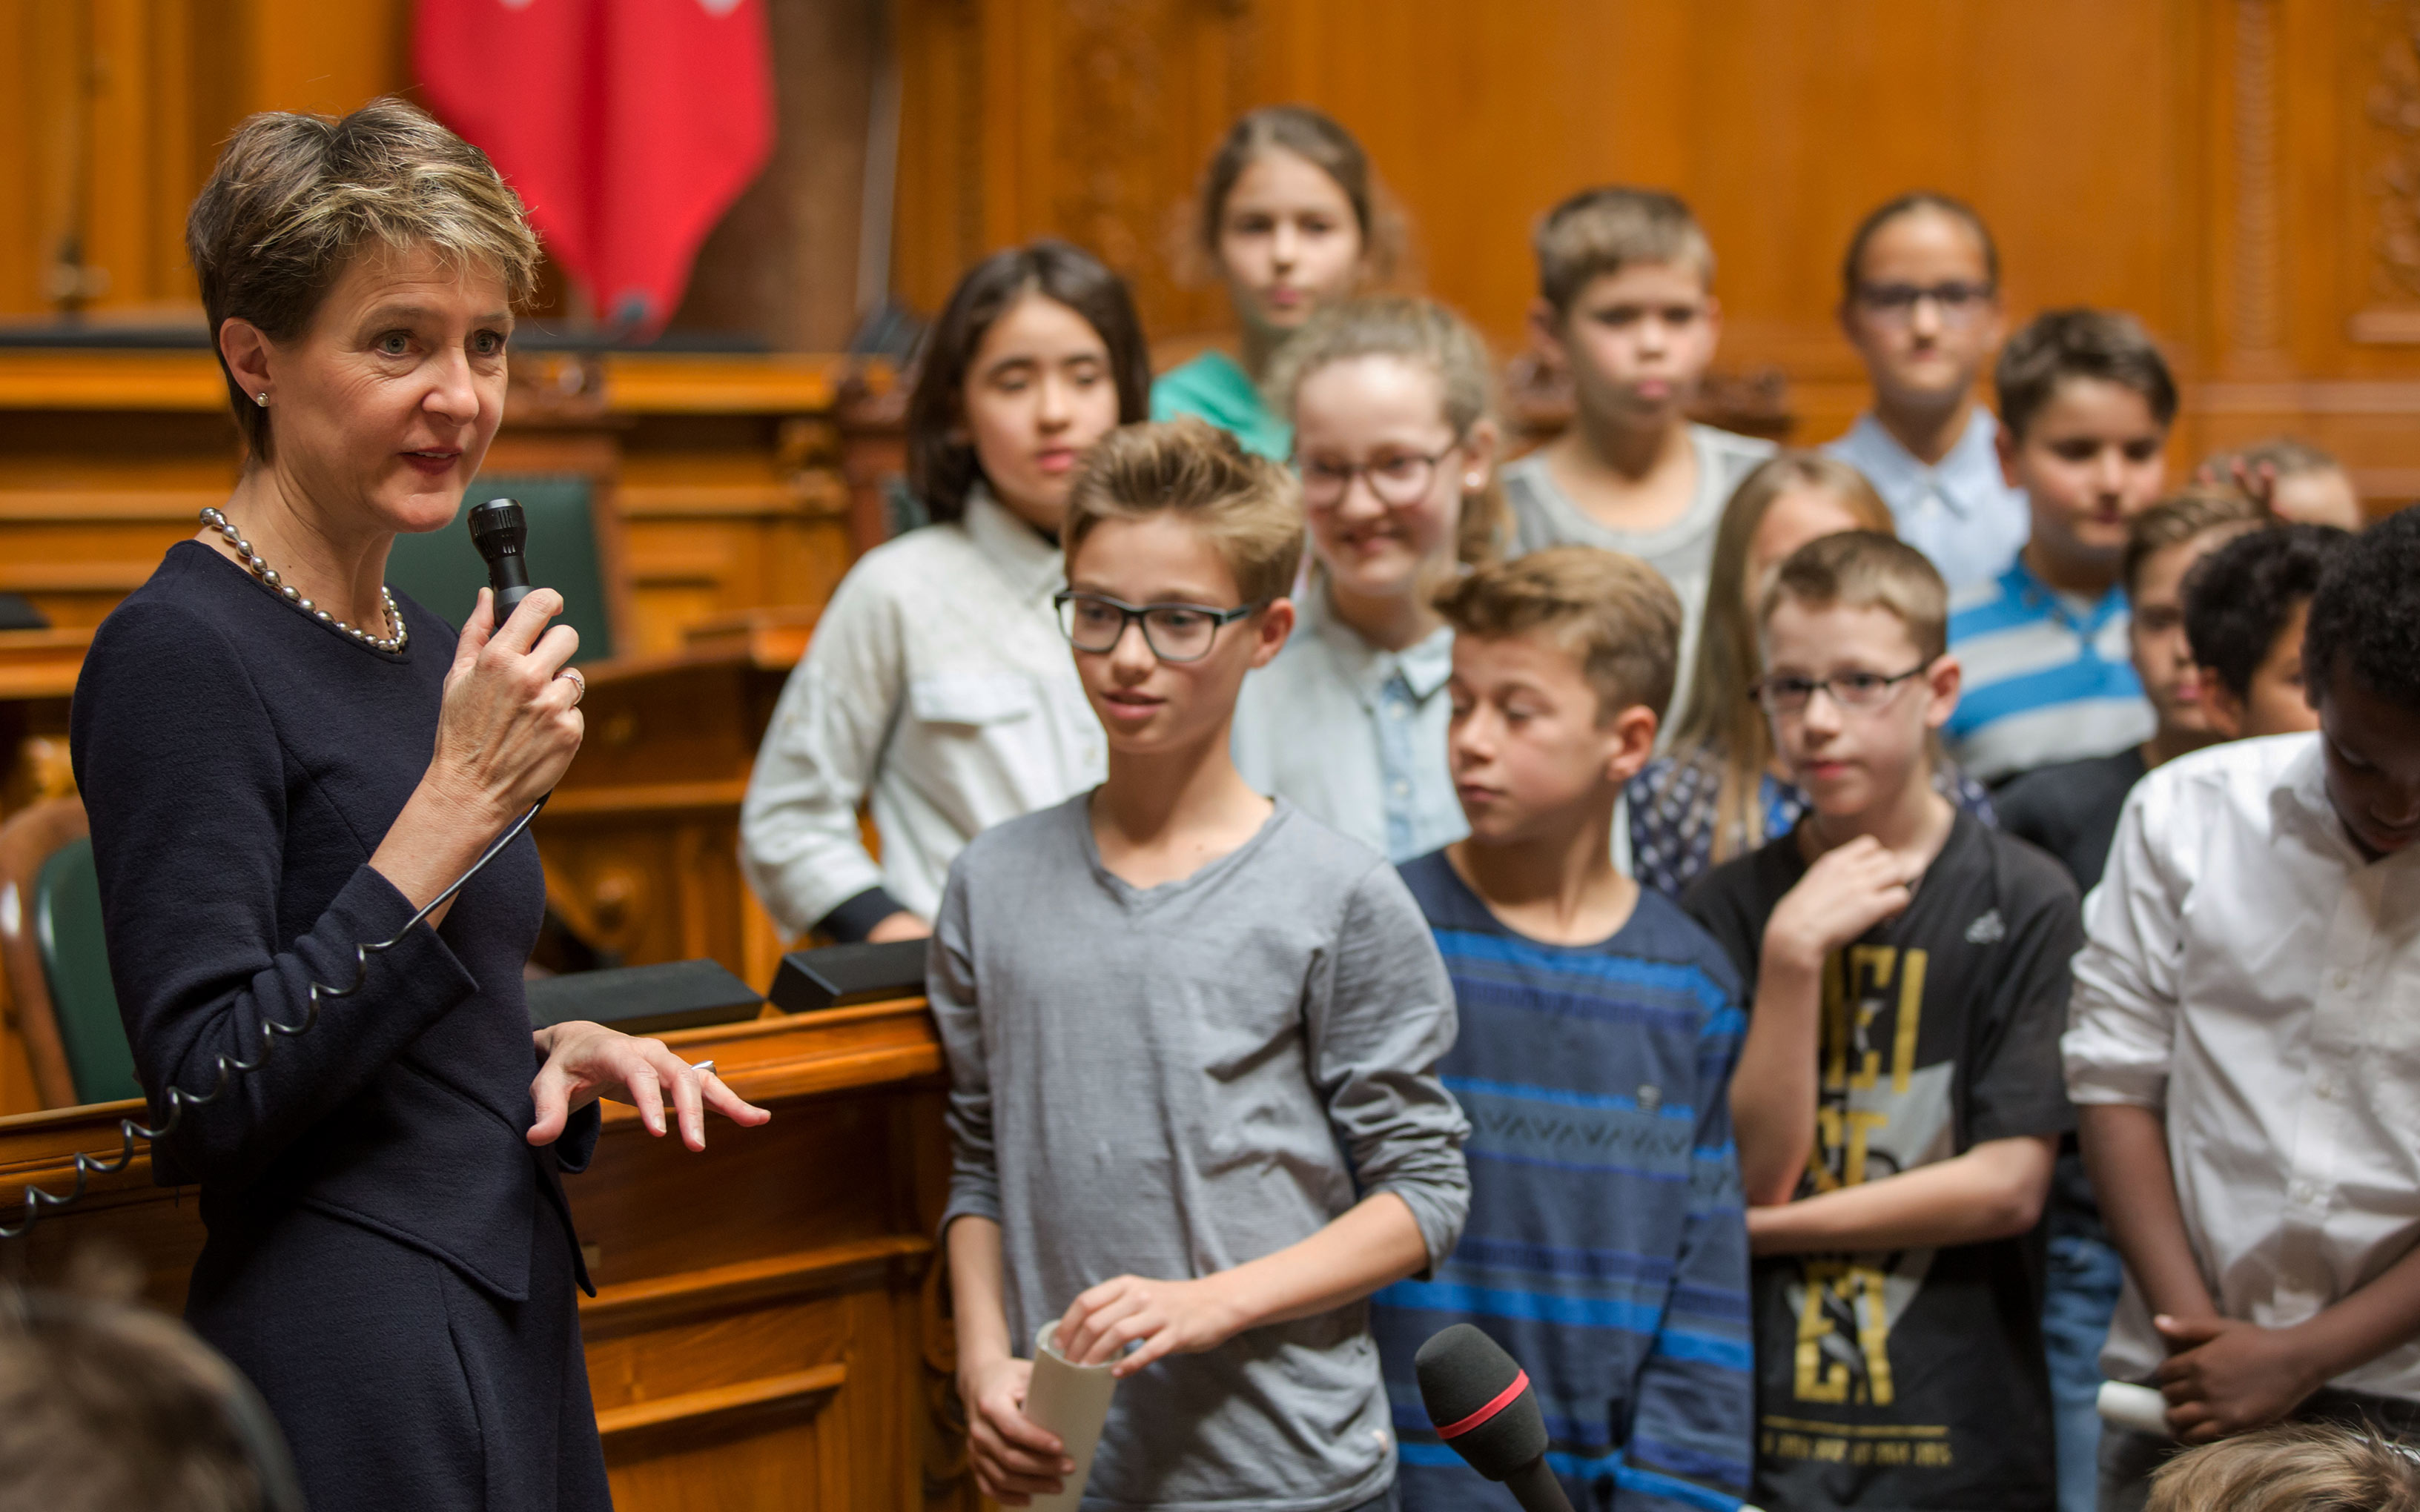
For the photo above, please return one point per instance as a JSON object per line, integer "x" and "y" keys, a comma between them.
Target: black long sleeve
{"x": 241, "y": 763}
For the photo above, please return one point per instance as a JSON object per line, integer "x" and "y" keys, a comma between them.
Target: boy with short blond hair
{"x": 1190, "y": 1036}
{"x": 1626, "y": 308}
{"x": 2086, "y": 402}
{"x": 1606, "y": 1249}
{"x": 1898, "y": 1101}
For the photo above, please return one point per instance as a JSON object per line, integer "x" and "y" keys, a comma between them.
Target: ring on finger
{"x": 579, "y": 685}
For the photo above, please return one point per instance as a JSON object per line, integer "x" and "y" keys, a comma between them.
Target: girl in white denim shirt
{"x": 937, "y": 681}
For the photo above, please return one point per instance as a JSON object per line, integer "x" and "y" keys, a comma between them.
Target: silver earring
{"x": 261, "y": 398}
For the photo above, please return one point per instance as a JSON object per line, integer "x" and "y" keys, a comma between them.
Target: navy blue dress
{"x": 389, "y": 1261}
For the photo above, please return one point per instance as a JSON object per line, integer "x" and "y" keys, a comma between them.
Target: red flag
{"x": 628, "y": 126}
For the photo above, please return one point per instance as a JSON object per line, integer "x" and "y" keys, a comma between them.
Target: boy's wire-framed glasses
{"x": 1398, "y": 480}
{"x": 1175, "y": 632}
{"x": 1850, "y": 690}
{"x": 1957, "y": 301}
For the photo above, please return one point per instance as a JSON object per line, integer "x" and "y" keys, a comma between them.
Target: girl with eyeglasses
{"x": 1292, "y": 220}
{"x": 1719, "y": 790}
{"x": 938, "y": 685}
{"x": 1390, "y": 401}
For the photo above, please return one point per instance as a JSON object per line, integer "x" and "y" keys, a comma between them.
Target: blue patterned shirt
{"x": 1607, "y": 1247}
{"x": 2049, "y": 677}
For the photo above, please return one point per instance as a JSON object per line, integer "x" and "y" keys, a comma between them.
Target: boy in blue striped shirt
{"x": 1606, "y": 1246}
{"x": 2086, "y": 402}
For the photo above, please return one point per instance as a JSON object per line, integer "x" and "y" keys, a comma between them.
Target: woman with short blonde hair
{"x": 285, "y": 763}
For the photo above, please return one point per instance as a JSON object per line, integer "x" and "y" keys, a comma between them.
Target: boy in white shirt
{"x": 2244, "y": 1055}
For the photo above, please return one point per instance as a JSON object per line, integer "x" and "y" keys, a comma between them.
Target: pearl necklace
{"x": 268, "y": 577}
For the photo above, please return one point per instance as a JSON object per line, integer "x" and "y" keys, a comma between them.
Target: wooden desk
{"x": 641, "y": 838}
{"x": 766, "y": 1333}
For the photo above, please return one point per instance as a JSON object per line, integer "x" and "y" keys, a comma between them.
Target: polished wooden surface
{"x": 734, "y": 481}
{"x": 641, "y": 838}
{"x": 767, "y": 1332}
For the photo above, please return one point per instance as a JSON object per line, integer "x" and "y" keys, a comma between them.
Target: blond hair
{"x": 1600, "y": 231}
{"x": 2291, "y": 1468}
{"x": 295, "y": 196}
{"x": 107, "y": 1406}
{"x": 1721, "y": 718}
{"x": 1427, "y": 336}
{"x": 1250, "y": 507}
{"x": 1614, "y": 612}
{"x": 1867, "y": 569}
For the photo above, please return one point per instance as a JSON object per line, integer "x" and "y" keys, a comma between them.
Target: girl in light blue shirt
{"x": 1389, "y": 399}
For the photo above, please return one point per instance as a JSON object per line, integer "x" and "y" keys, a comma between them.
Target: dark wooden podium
{"x": 767, "y": 1332}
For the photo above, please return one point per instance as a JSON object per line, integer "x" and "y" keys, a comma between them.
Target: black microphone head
{"x": 1480, "y": 1401}
{"x": 498, "y": 527}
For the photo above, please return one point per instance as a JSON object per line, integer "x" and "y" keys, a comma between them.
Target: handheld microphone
{"x": 499, "y": 529}
{"x": 1485, "y": 1409}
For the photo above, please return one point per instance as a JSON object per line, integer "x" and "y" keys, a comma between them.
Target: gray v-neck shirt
{"x": 1171, "y": 1081}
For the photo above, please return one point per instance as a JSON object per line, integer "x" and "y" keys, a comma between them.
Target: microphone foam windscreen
{"x": 1480, "y": 1401}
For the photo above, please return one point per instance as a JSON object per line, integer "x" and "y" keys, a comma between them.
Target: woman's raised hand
{"x": 510, "y": 723}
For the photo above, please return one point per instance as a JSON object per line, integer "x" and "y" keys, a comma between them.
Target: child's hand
{"x": 1016, "y": 1459}
{"x": 2226, "y": 1376}
{"x": 1168, "y": 1317}
{"x": 1846, "y": 892}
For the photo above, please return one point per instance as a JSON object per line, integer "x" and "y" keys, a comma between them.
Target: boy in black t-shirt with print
{"x": 1898, "y": 1100}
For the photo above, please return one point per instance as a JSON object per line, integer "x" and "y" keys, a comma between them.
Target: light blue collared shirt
{"x": 1354, "y": 735}
{"x": 1962, "y": 513}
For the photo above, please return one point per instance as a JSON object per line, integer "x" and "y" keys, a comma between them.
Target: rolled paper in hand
{"x": 2135, "y": 1407}
{"x": 1073, "y": 1402}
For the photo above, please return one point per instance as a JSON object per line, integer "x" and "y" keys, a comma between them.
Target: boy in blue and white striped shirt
{"x": 2086, "y": 402}
{"x": 1607, "y": 1247}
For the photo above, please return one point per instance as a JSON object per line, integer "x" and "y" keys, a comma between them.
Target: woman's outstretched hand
{"x": 585, "y": 1061}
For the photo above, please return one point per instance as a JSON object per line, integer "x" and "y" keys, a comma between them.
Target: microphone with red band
{"x": 1480, "y": 1400}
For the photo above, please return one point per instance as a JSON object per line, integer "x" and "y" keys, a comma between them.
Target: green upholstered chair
{"x": 567, "y": 552}
{"x": 56, "y": 959}
{"x": 75, "y": 962}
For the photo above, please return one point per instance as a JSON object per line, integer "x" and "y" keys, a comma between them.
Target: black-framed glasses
{"x": 1850, "y": 690}
{"x": 1398, "y": 481}
{"x": 1175, "y": 632}
{"x": 1959, "y": 302}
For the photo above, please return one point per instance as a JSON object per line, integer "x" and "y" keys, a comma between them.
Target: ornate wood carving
{"x": 2259, "y": 319}
{"x": 2394, "y": 176}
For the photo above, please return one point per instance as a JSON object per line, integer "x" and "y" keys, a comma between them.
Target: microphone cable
{"x": 225, "y": 1069}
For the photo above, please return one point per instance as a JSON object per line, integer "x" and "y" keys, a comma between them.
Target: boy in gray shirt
{"x": 1192, "y": 1037}
{"x": 1625, "y": 305}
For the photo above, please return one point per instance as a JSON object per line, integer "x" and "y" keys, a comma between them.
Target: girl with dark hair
{"x": 1292, "y": 220}
{"x": 937, "y": 683}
